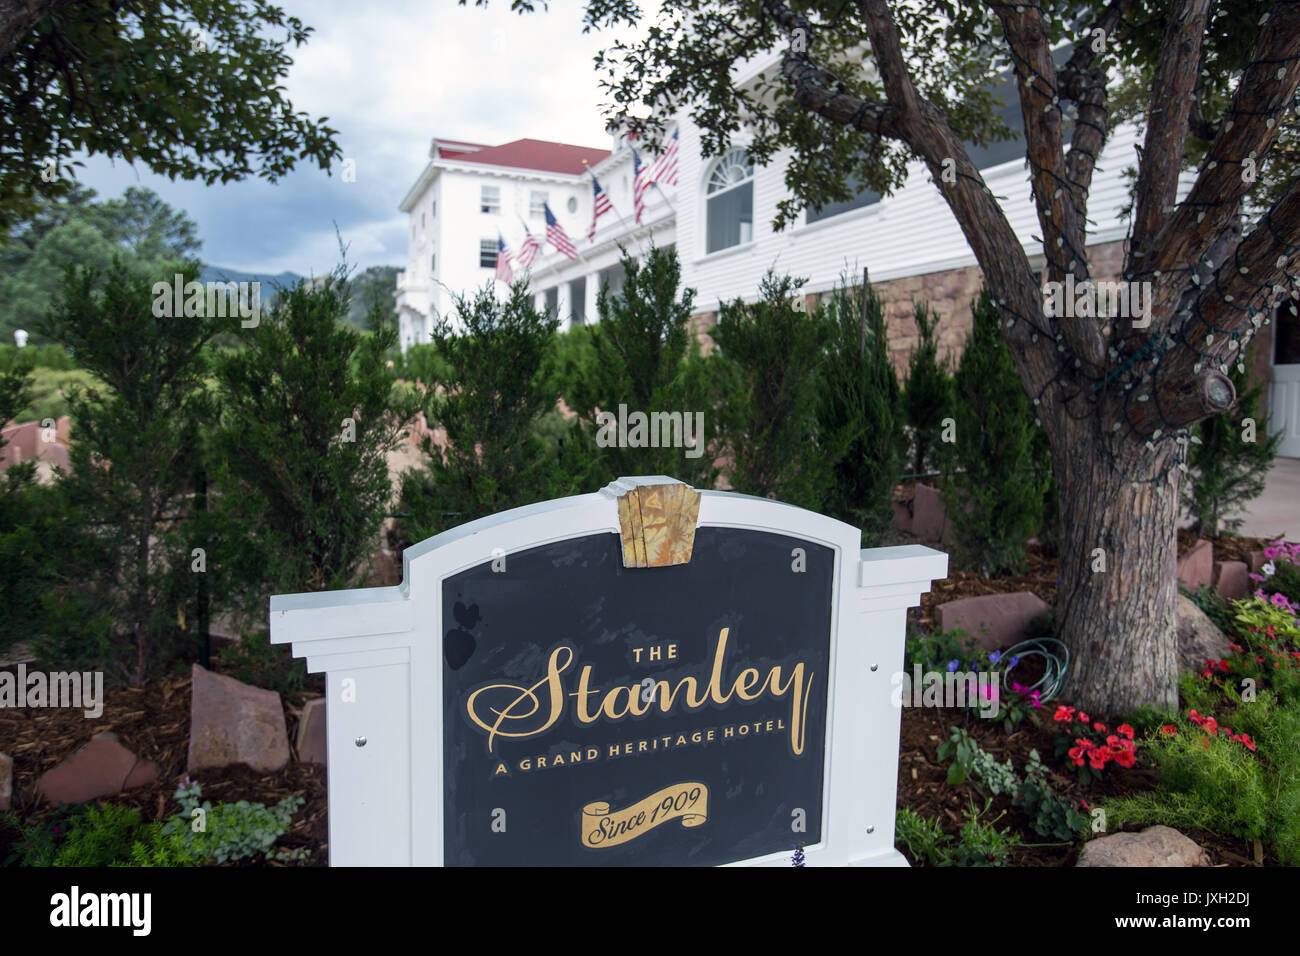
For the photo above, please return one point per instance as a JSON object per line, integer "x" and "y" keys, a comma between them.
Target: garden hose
{"x": 1056, "y": 658}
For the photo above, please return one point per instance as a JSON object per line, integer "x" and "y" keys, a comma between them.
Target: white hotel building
{"x": 719, "y": 218}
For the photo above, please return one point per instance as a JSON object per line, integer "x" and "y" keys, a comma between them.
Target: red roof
{"x": 536, "y": 154}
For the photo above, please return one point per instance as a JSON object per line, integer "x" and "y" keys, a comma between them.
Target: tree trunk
{"x": 1118, "y": 623}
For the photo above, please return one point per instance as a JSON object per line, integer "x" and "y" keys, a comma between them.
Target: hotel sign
{"x": 644, "y": 676}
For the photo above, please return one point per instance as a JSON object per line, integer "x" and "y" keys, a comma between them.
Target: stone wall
{"x": 948, "y": 292}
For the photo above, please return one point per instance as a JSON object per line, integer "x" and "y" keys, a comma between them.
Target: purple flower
{"x": 993, "y": 657}
{"x": 1279, "y": 600}
{"x": 953, "y": 664}
{"x": 1014, "y": 660}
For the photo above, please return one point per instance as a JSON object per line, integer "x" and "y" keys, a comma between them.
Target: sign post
{"x": 646, "y": 675}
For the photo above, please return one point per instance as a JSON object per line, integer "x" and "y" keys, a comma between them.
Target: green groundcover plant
{"x": 96, "y": 835}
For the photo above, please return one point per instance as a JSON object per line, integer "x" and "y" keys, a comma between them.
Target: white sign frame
{"x": 383, "y": 664}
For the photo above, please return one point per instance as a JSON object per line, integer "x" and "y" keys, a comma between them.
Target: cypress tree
{"x": 771, "y": 358}
{"x": 642, "y": 354}
{"x": 927, "y": 396}
{"x": 993, "y": 495}
{"x": 308, "y": 416}
{"x": 491, "y": 395}
{"x": 132, "y": 471}
{"x": 1228, "y": 460}
{"x": 860, "y": 415}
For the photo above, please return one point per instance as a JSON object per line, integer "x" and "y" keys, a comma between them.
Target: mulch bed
{"x": 923, "y": 785}
{"x": 153, "y": 722}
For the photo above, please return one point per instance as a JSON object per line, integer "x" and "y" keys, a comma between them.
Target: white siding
{"x": 910, "y": 233}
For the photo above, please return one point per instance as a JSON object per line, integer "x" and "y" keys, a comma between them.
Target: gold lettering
{"x": 608, "y": 707}
{"x": 551, "y": 681}
{"x": 747, "y": 678}
{"x": 582, "y": 693}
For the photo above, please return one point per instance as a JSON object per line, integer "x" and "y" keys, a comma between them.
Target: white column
{"x": 593, "y": 287}
{"x": 563, "y": 298}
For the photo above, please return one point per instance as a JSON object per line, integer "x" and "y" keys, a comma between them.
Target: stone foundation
{"x": 949, "y": 293}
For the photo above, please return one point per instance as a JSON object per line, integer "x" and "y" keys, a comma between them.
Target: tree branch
{"x": 18, "y": 17}
{"x": 1251, "y": 126}
{"x": 981, "y": 219}
{"x": 1085, "y": 84}
{"x": 1058, "y": 200}
{"x": 821, "y": 91}
{"x": 1172, "y": 93}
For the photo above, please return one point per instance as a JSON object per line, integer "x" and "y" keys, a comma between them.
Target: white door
{"x": 1284, "y": 392}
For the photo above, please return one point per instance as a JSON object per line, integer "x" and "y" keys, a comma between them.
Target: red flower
{"x": 1084, "y": 718}
{"x": 1098, "y": 759}
{"x": 1063, "y": 713}
{"x": 1250, "y": 744}
{"x": 1211, "y": 725}
{"x": 1224, "y": 666}
{"x": 1076, "y": 755}
{"x": 1235, "y": 648}
{"x": 1207, "y": 674}
{"x": 1100, "y": 728}
{"x": 1112, "y": 741}
{"x": 1126, "y": 730}
{"x": 1126, "y": 758}
{"x": 1169, "y": 730}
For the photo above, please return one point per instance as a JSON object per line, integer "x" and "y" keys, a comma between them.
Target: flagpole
{"x": 622, "y": 221}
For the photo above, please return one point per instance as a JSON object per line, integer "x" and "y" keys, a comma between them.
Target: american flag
{"x": 556, "y": 235}
{"x": 504, "y": 272}
{"x": 664, "y": 168}
{"x": 640, "y": 183}
{"x": 600, "y": 206}
{"x": 528, "y": 251}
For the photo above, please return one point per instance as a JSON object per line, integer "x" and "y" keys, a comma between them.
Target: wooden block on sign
{"x": 657, "y": 524}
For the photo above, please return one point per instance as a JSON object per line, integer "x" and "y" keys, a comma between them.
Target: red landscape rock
{"x": 232, "y": 722}
{"x": 1257, "y": 561}
{"x": 902, "y": 516}
{"x": 6, "y": 781}
{"x": 1231, "y": 579}
{"x": 929, "y": 523}
{"x": 1196, "y": 568}
{"x": 102, "y": 768}
{"x": 995, "y": 620}
{"x": 311, "y": 732}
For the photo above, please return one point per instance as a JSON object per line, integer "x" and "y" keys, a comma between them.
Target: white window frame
{"x": 708, "y": 193}
{"x": 489, "y": 200}
{"x": 483, "y": 247}
{"x": 537, "y": 200}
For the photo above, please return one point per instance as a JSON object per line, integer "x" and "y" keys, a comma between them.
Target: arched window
{"x": 729, "y": 202}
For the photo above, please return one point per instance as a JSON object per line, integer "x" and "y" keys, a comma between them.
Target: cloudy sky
{"x": 389, "y": 75}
